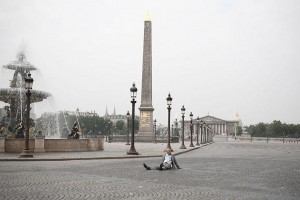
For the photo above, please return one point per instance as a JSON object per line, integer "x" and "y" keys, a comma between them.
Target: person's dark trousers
{"x": 155, "y": 168}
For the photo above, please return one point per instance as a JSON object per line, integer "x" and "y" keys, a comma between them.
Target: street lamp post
{"x": 201, "y": 129}
{"x": 235, "y": 125}
{"x": 176, "y": 127}
{"x": 28, "y": 85}
{"x": 133, "y": 92}
{"x": 207, "y": 132}
{"x": 169, "y": 103}
{"x": 182, "y": 136}
{"x": 109, "y": 128}
{"x": 155, "y": 131}
{"x": 127, "y": 138}
{"x": 191, "y": 129}
{"x": 82, "y": 131}
{"x": 106, "y": 133}
{"x": 198, "y": 122}
{"x": 95, "y": 132}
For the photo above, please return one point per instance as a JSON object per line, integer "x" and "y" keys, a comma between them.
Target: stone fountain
{"x": 11, "y": 125}
{"x": 15, "y": 96}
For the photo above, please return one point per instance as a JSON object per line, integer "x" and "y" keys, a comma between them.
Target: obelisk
{"x": 146, "y": 110}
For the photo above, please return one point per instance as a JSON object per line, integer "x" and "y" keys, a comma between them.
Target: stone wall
{"x": 17, "y": 145}
{"x": 266, "y": 139}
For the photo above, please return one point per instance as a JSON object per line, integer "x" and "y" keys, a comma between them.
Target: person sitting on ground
{"x": 168, "y": 162}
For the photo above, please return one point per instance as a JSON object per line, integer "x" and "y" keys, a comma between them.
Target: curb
{"x": 98, "y": 158}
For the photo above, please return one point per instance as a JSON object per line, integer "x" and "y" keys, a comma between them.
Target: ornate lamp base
{"x": 26, "y": 154}
{"x": 132, "y": 151}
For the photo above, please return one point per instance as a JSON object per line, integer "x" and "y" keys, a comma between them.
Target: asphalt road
{"x": 231, "y": 170}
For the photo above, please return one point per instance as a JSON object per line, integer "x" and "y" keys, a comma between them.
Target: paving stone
{"x": 221, "y": 170}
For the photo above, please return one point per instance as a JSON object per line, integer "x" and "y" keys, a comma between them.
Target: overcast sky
{"x": 218, "y": 57}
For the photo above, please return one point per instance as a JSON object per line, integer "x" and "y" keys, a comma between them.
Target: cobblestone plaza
{"x": 222, "y": 170}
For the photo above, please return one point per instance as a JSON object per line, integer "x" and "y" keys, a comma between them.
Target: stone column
{"x": 146, "y": 110}
{"x": 215, "y": 129}
{"x": 221, "y": 129}
{"x": 206, "y": 139}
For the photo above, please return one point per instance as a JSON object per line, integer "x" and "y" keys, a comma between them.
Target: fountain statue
{"x": 15, "y": 96}
{"x": 20, "y": 130}
{"x": 74, "y": 132}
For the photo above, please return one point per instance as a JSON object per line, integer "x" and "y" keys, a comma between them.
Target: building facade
{"x": 114, "y": 117}
{"x": 80, "y": 113}
{"x": 216, "y": 125}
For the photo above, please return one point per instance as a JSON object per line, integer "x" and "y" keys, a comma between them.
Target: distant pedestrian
{"x": 168, "y": 162}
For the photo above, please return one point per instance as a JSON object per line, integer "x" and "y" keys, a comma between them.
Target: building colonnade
{"x": 213, "y": 126}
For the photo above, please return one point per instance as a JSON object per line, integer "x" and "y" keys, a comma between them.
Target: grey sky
{"x": 220, "y": 57}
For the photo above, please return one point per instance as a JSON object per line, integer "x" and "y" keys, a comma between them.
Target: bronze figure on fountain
{"x": 20, "y": 130}
{"x": 74, "y": 132}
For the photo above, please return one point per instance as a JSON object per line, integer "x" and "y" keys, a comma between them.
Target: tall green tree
{"x": 260, "y": 130}
{"x": 275, "y": 128}
{"x": 120, "y": 124}
{"x": 239, "y": 130}
{"x": 136, "y": 125}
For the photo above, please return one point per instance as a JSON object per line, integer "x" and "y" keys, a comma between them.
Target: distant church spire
{"x": 114, "y": 110}
{"x": 106, "y": 116}
{"x": 106, "y": 112}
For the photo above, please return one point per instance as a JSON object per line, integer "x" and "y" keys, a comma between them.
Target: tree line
{"x": 274, "y": 129}
{"x": 89, "y": 125}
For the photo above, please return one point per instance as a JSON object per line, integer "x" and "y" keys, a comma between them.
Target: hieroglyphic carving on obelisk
{"x": 146, "y": 109}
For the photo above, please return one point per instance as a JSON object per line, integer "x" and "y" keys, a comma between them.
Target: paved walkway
{"x": 221, "y": 171}
{"x": 111, "y": 151}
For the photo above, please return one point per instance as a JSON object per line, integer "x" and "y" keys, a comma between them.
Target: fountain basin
{"x": 6, "y": 94}
{"x": 10, "y": 145}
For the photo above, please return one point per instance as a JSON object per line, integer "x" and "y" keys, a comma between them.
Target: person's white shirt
{"x": 168, "y": 159}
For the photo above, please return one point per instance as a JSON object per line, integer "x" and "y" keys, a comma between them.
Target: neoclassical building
{"x": 216, "y": 125}
{"x": 80, "y": 113}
